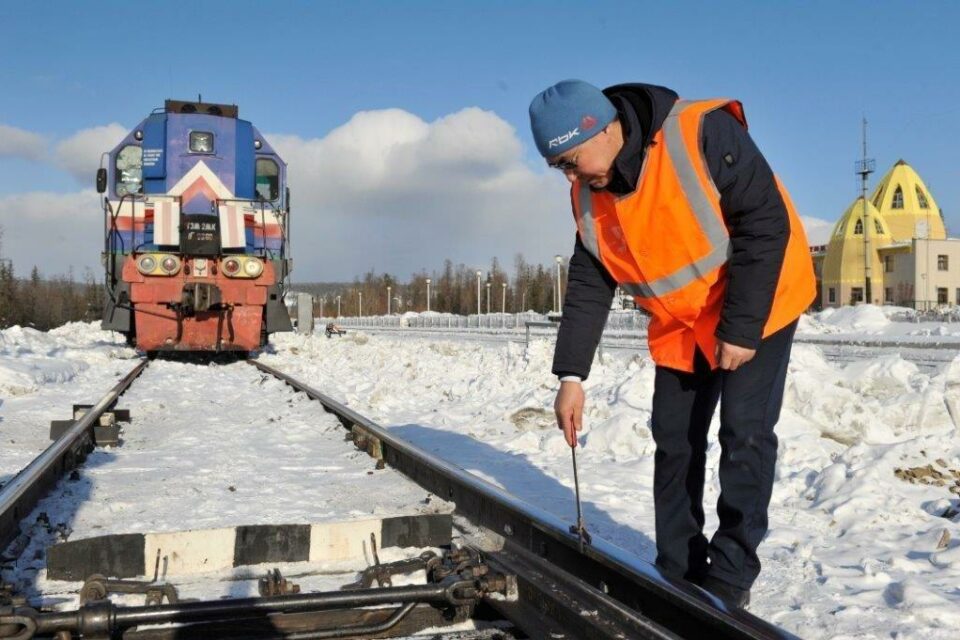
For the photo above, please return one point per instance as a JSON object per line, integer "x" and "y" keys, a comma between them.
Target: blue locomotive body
{"x": 197, "y": 217}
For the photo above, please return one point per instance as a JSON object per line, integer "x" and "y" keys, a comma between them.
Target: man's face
{"x": 591, "y": 161}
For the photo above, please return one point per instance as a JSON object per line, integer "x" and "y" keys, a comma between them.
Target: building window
{"x": 922, "y": 198}
{"x": 858, "y": 229}
{"x": 941, "y": 295}
{"x": 958, "y": 296}
{"x": 856, "y": 295}
{"x": 832, "y": 294}
{"x": 942, "y": 264}
{"x": 877, "y": 227}
{"x": 888, "y": 294}
{"x": 888, "y": 264}
{"x": 897, "y": 198}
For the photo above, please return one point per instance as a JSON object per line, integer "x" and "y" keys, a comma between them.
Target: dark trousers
{"x": 683, "y": 406}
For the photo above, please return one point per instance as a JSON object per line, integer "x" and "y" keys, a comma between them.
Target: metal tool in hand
{"x": 579, "y": 529}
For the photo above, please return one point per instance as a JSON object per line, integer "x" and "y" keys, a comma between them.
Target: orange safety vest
{"x": 666, "y": 243}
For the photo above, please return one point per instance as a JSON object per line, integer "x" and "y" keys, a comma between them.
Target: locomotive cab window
{"x": 201, "y": 142}
{"x": 268, "y": 179}
{"x": 129, "y": 170}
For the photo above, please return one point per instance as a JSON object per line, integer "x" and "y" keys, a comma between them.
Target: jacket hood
{"x": 650, "y": 102}
{"x": 641, "y": 108}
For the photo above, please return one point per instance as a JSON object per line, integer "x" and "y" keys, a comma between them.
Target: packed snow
{"x": 864, "y": 535}
{"x": 896, "y": 324}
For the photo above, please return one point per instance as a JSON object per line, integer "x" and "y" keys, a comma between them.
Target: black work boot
{"x": 730, "y": 595}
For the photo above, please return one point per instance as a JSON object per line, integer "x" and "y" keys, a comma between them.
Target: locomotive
{"x": 197, "y": 217}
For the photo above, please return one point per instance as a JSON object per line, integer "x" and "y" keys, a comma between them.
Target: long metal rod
{"x": 638, "y": 583}
{"x": 353, "y": 631}
{"x": 581, "y": 527}
{"x": 120, "y": 618}
{"x": 19, "y": 496}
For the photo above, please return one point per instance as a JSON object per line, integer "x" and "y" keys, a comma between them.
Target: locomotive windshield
{"x": 268, "y": 179}
{"x": 129, "y": 170}
{"x": 201, "y": 142}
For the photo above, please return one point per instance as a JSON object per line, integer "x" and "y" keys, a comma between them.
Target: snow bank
{"x": 42, "y": 374}
{"x": 867, "y": 318}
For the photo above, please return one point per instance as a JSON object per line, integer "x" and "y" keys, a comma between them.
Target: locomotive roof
{"x": 208, "y": 108}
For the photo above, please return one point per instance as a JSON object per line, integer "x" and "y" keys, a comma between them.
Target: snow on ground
{"x": 211, "y": 447}
{"x": 864, "y": 535}
{"x": 854, "y": 549}
{"x": 42, "y": 374}
{"x": 871, "y": 322}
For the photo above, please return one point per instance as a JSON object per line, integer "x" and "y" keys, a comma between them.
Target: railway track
{"x": 511, "y": 567}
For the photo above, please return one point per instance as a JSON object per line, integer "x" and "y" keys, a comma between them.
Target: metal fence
{"x": 618, "y": 322}
{"x": 627, "y": 330}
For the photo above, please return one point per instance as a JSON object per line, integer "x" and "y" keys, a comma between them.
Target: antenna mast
{"x": 864, "y": 168}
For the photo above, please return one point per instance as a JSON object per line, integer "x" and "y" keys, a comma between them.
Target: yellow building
{"x": 911, "y": 260}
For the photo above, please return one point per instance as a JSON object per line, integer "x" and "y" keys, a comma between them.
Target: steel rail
{"x": 639, "y": 594}
{"x": 22, "y": 493}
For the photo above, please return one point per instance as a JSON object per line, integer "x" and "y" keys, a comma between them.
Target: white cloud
{"x": 385, "y": 191}
{"x": 79, "y": 154}
{"x": 54, "y": 231}
{"x": 391, "y": 192}
{"x": 818, "y": 230}
{"x": 18, "y": 143}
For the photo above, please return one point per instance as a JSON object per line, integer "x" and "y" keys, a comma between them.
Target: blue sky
{"x": 806, "y": 73}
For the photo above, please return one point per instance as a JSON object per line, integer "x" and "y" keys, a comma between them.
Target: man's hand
{"x": 569, "y": 409}
{"x": 730, "y": 356}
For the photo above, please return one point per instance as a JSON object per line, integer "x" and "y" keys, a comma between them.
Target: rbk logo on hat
{"x": 559, "y": 140}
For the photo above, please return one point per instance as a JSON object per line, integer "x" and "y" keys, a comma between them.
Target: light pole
{"x": 388, "y": 300}
{"x": 338, "y": 306}
{"x": 503, "y": 297}
{"x": 559, "y": 260}
{"x": 479, "y": 273}
{"x": 488, "y": 298}
{"x": 428, "y": 294}
{"x": 360, "y": 303}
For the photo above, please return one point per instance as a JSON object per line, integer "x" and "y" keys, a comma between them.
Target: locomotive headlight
{"x": 158, "y": 264}
{"x": 146, "y": 264}
{"x": 253, "y": 267}
{"x": 231, "y": 266}
{"x": 170, "y": 265}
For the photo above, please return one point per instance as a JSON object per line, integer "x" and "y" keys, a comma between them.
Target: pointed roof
{"x": 849, "y": 226}
{"x": 844, "y": 262}
{"x": 907, "y": 204}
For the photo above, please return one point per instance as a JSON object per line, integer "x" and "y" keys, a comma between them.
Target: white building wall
{"x": 928, "y": 277}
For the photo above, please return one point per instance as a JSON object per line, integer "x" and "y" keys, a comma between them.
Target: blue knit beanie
{"x": 567, "y": 114}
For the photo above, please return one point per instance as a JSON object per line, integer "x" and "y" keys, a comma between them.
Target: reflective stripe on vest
{"x": 711, "y": 224}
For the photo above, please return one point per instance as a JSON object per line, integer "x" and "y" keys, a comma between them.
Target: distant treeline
{"x": 45, "y": 303}
{"x": 452, "y": 290}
